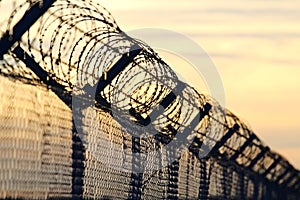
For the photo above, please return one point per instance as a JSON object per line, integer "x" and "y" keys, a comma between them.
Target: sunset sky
{"x": 255, "y": 47}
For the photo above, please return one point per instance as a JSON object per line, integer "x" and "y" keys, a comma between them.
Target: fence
{"x": 80, "y": 98}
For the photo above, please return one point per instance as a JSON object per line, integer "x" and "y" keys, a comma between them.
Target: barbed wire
{"x": 78, "y": 42}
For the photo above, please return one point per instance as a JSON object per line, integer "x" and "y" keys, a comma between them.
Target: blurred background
{"x": 255, "y": 47}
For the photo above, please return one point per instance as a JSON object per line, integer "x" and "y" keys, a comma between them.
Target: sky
{"x": 253, "y": 44}
{"x": 255, "y": 48}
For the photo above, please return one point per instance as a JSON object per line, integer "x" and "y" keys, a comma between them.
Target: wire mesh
{"x": 77, "y": 43}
